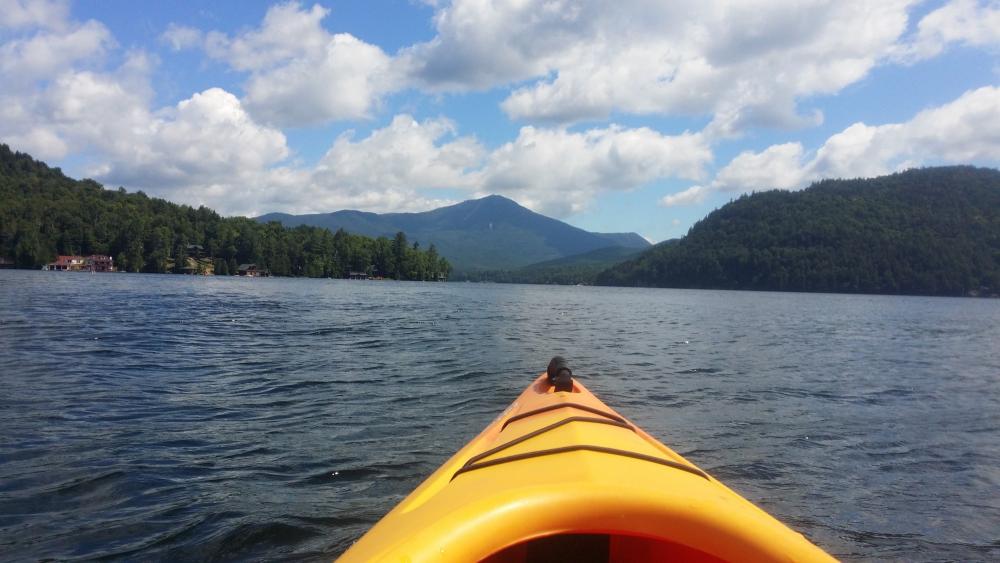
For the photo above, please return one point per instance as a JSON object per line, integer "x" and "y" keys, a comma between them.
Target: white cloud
{"x": 966, "y": 130}
{"x": 312, "y": 191}
{"x": 778, "y": 166}
{"x": 40, "y": 52}
{"x": 210, "y": 149}
{"x": 57, "y": 101}
{"x": 484, "y": 44}
{"x": 962, "y": 22}
{"x": 46, "y": 14}
{"x": 746, "y": 63}
{"x": 206, "y": 139}
{"x": 213, "y": 149}
{"x": 204, "y": 150}
{"x": 549, "y": 170}
{"x": 552, "y": 171}
{"x": 180, "y": 37}
{"x": 962, "y": 131}
{"x": 743, "y": 64}
{"x": 45, "y": 53}
{"x": 690, "y": 196}
{"x": 345, "y": 82}
{"x": 300, "y": 74}
{"x": 405, "y": 154}
{"x": 385, "y": 171}
{"x": 288, "y": 32}
{"x": 207, "y": 150}
{"x": 560, "y": 172}
{"x": 94, "y": 111}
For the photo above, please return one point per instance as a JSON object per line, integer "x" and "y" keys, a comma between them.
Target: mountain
{"x": 568, "y": 270}
{"x": 607, "y": 256}
{"x": 481, "y": 234}
{"x": 931, "y": 231}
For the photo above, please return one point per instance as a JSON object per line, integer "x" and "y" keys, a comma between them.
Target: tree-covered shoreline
{"x": 44, "y": 213}
{"x": 932, "y": 231}
{"x": 579, "y": 269}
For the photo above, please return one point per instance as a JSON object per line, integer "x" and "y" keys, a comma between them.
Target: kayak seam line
{"x": 583, "y": 447}
{"x": 543, "y": 430}
{"x": 562, "y": 406}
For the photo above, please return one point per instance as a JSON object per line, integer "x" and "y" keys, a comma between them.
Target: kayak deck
{"x": 561, "y": 476}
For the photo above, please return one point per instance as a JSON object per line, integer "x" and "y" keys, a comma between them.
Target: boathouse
{"x": 252, "y": 271}
{"x": 98, "y": 263}
{"x": 66, "y": 264}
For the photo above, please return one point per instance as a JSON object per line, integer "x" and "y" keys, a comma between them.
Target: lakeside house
{"x": 98, "y": 263}
{"x": 92, "y": 263}
{"x": 252, "y": 271}
{"x": 65, "y": 264}
{"x": 358, "y": 276}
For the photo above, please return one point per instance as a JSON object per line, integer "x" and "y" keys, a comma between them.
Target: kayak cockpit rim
{"x": 548, "y": 408}
{"x": 578, "y": 448}
{"x": 475, "y": 462}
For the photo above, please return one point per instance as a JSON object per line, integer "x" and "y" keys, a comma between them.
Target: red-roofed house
{"x": 66, "y": 263}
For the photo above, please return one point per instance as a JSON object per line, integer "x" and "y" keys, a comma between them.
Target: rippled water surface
{"x": 168, "y": 417}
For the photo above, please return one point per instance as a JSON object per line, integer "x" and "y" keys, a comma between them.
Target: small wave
{"x": 331, "y": 521}
{"x": 469, "y": 376}
{"x": 393, "y": 471}
{"x": 338, "y": 476}
{"x": 82, "y": 485}
{"x": 253, "y": 452}
{"x": 245, "y": 541}
{"x": 671, "y": 400}
{"x": 756, "y": 471}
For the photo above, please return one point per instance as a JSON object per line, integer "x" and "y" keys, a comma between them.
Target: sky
{"x": 632, "y": 115}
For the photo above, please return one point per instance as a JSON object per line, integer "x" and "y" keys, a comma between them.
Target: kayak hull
{"x": 563, "y": 472}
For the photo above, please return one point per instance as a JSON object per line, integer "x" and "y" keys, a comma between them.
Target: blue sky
{"x": 627, "y": 116}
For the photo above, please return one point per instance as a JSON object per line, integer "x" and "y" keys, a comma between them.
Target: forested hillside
{"x": 43, "y": 213}
{"x": 571, "y": 270}
{"x": 933, "y": 231}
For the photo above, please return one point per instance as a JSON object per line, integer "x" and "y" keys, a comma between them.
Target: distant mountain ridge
{"x": 579, "y": 269}
{"x": 930, "y": 231}
{"x": 489, "y": 233}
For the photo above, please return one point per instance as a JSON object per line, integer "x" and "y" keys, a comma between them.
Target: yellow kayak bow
{"x": 560, "y": 476}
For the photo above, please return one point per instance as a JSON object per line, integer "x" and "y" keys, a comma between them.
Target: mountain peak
{"x": 492, "y": 232}
{"x": 495, "y": 200}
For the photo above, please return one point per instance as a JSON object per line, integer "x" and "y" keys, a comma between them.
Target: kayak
{"x": 560, "y": 476}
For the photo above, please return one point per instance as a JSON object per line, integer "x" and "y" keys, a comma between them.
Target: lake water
{"x": 169, "y": 417}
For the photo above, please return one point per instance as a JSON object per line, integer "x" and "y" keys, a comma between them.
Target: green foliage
{"x": 933, "y": 231}
{"x": 571, "y": 270}
{"x": 43, "y": 214}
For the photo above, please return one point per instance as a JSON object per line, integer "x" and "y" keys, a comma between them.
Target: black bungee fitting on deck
{"x": 560, "y": 376}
